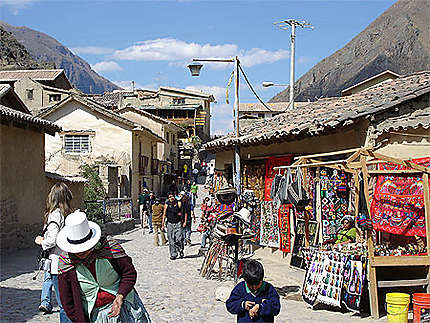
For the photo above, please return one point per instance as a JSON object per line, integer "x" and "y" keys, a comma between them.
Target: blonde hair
{"x": 59, "y": 197}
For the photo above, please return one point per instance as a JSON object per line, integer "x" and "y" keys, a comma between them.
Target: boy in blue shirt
{"x": 254, "y": 300}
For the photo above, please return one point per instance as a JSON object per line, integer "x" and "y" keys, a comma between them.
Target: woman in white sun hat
{"x": 96, "y": 277}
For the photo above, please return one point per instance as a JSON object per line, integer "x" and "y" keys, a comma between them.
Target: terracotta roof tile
{"x": 38, "y": 75}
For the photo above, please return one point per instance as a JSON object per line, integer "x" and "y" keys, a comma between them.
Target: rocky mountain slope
{"x": 15, "y": 56}
{"x": 45, "y": 48}
{"x": 398, "y": 40}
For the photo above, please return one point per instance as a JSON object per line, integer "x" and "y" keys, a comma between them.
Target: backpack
{"x": 44, "y": 254}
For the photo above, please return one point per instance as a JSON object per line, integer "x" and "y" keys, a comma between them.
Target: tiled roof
{"x": 413, "y": 120}
{"x": 186, "y": 91}
{"x": 149, "y": 115}
{"x": 66, "y": 178}
{"x": 109, "y": 99}
{"x": 275, "y": 107}
{"x": 317, "y": 117}
{"x": 38, "y": 75}
{"x": 8, "y": 114}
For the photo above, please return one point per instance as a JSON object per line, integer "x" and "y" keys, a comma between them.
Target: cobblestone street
{"x": 172, "y": 291}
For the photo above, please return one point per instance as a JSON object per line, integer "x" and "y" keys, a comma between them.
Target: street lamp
{"x": 195, "y": 71}
{"x": 269, "y": 84}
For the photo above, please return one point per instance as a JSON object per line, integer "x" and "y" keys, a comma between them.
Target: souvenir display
{"x": 284, "y": 228}
{"x": 398, "y": 202}
{"x": 331, "y": 279}
{"x": 298, "y": 258}
{"x": 219, "y": 181}
{"x": 270, "y": 172}
{"x": 334, "y": 201}
{"x": 253, "y": 176}
{"x": 354, "y": 275}
{"x": 269, "y": 232}
{"x": 311, "y": 284}
{"x": 256, "y": 225}
{"x": 224, "y": 210}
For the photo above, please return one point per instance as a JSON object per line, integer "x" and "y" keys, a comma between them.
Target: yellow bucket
{"x": 397, "y": 307}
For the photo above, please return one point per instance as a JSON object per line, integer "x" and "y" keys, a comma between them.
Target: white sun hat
{"x": 78, "y": 234}
{"x": 244, "y": 215}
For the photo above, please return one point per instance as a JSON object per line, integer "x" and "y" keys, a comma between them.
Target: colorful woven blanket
{"x": 284, "y": 228}
{"x": 398, "y": 202}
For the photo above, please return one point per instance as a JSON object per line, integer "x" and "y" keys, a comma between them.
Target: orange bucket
{"x": 421, "y": 303}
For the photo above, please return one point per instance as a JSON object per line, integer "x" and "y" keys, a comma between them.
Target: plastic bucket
{"x": 421, "y": 303}
{"x": 397, "y": 307}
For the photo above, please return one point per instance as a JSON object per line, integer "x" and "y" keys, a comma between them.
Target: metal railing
{"x": 109, "y": 210}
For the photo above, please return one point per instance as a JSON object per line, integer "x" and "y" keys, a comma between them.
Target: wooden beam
{"x": 341, "y": 166}
{"x": 394, "y": 172}
{"x": 401, "y": 283}
{"x": 373, "y": 284}
{"x": 406, "y": 163}
{"x": 333, "y": 153}
{"x": 390, "y": 261}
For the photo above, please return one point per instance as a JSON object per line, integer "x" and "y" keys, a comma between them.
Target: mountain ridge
{"x": 398, "y": 40}
{"x": 43, "y": 47}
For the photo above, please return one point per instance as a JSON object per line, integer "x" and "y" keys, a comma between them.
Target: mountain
{"x": 398, "y": 40}
{"x": 45, "y": 48}
{"x": 14, "y": 56}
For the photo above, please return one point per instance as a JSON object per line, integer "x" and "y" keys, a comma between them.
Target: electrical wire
{"x": 253, "y": 91}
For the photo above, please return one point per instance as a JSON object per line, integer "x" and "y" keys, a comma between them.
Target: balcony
{"x": 155, "y": 166}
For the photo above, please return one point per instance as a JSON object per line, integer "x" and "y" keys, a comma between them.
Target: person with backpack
{"x": 172, "y": 220}
{"x": 57, "y": 208}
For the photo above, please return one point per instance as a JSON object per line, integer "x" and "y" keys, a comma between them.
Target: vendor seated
{"x": 348, "y": 232}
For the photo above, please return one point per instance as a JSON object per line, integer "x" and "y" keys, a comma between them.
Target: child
{"x": 254, "y": 300}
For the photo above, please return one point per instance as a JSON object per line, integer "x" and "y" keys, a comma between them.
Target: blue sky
{"x": 151, "y": 42}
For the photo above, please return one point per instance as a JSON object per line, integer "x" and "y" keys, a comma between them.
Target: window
{"x": 30, "y": 94}
{"x": 77, "y": 144}
{"x": 261, "y": 115}
{"x": 54, "y": 97}
{"x": 177, "y": 101}
{"x": 167, "y": 137}
{"x": 173, "y": 139}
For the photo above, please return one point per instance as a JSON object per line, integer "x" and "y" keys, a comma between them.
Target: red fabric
{"x": 284, "y": 228}
{"x": 103, "y": 297}
{"x": 398, "y": 202}
{"x": 270, "y": 172}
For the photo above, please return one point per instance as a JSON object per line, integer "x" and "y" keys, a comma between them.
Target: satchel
{"x": 44, "y": 254}
{"x": 297, "y": 195}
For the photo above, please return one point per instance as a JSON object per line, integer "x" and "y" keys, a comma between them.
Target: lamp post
{"x": 195, "y": 71}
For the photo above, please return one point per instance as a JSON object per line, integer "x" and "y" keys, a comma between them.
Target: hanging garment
{"x": 256, "y": 225}
{"x": 269, "y": 231}
{"x": 398, "y": 202}
{"x": 272, "y": 162}
{"x": 311, "y": 283}
{"x": 354, "y": 275}
{"x": 284, "y": 228}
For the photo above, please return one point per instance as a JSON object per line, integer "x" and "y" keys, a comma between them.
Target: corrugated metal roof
{"x": 8, "y": 114}
{"x": 66, "y": 178}
{"x": 275, "y": 107}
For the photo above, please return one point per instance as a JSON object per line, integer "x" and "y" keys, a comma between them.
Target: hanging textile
{"x": 398, "y": 202}
{"x": 284, "y": 228}
{"x": 269, "y": 230}
{"x": 223, "y": 210}
{"x": 256, "y": 225}
{"x": 331, "y": 279}
{"x": 253, "y": 177}
{"x": 354, "y": 275}
{"x": 312, "y": 280}
{"x": 334, "y": 201}
{"x": 270, "y": 163}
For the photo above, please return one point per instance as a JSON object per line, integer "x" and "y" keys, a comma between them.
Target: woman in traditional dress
{"x": 97, "y": 277}
{"x": 348, "y": 232}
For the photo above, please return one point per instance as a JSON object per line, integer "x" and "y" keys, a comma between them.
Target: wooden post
{"x": 373, "y": 286}
{"x": 318, "y": 206}
{"x": 426, "y": 192}
{"x": 357, "y": 201}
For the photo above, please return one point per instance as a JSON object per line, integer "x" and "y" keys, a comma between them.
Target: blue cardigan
{"x": 268, "y": 299}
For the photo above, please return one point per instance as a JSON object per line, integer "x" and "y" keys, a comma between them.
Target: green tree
{"x": 93, "y": 191}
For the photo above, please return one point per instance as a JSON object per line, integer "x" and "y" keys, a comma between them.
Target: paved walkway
{"x": 172, "y": 291}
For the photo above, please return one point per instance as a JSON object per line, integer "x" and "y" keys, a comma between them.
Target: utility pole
{"x": 236, "y": 124}
{"x": 285, "y": 24}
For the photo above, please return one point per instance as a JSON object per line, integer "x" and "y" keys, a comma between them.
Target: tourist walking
{"x": 97, "y": 277}
{"x": 157, "y": 218}
{"x": 57, "y": 208}
{"x": 142, "y": 199}
{"x": 195, "y": 174}
{"x": 187, "y": 216}
{"x": 172, "y": 221}
{"x": 149, "y": 203}
{"x": 193, "y": 190}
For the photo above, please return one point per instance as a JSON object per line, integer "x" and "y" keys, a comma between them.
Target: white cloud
{"x": 222, "y": 118}
{"x": 16, "y": 5}
{"x": 178, "y": 53}
{"x": 92, "y": 50}
{"x": 106, "y": 66}
{"x": 217, "y": 91}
